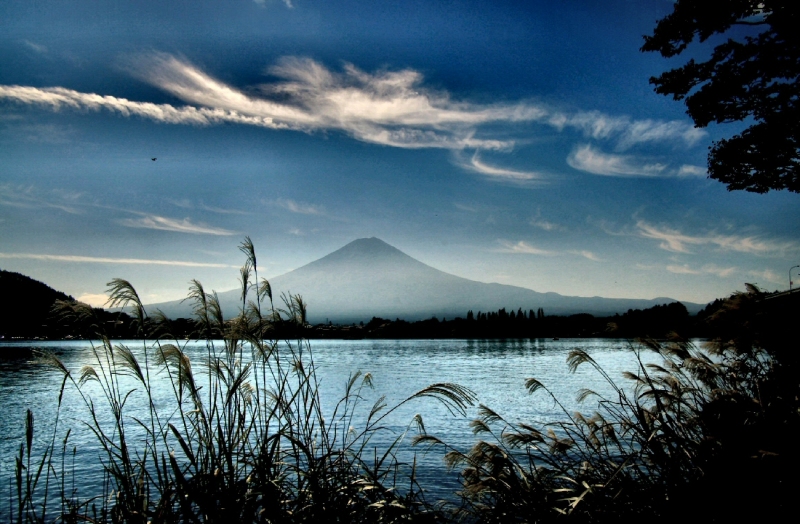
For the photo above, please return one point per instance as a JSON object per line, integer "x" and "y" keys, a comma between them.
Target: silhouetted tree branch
{"x": 755, "y": 78}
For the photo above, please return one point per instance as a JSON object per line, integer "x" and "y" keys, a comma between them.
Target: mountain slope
{"x": 368, "y": 277}
{"x": 26, "y": 305}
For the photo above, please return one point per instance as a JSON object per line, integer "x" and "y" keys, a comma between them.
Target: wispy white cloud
{"x": 287, "y": 3}
{"x": 477, "y": 165}
{"x": 464, "y": 207}
{"x": 587, "y": 254}
{"x": 609, "y": 228}
{"x": 30, "y": 197}
{"x": 222, "y": 211}
{"x": 719, "y": 271}
{"x": 586, "y": 157}
{"x": 546, "y": 225}
{"x": 682, "y": 270}
{"x": 171, "y": 224}
{"x": 674, "y": 240}
{"x": 626, "y": 132}
{"x": 185, "y": 203}
{"x": 39, "y": 133}
{"x": 751, "y": 244}
{"x": 594, "y": 124}
{"x": 690, "y": 170}
{"x": 57, "y": 98}
{"x": 109, "y": 260}
{"x": 302, "y": 208}
{"x": 641, "y": 131}
{"x": 671, "y": 239}
{"x": 524, "y": 248}
{"x": 33, "y": 46}
{"x": 391, "y": 108}
{"x": 590, "y": 159}
{"x": 708, "y": 269}
{"x": 771, "y": 276}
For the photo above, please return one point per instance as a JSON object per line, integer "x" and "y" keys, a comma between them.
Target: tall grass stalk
{"x": 651, "y": 449}
{"x": 246, "y": 437}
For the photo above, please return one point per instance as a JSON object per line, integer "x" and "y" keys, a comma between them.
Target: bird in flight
{"x": 153, "y": 159}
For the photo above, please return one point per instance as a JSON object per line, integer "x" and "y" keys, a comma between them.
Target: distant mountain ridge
{"x": 369, "y": 277}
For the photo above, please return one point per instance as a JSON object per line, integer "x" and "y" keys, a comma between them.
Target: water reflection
{"x": 494, "y": 369}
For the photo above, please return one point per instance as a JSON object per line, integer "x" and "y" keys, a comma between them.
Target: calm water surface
{"x": 494, "y": 369}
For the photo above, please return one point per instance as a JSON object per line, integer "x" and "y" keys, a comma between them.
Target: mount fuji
{"x": 368, "y": 277}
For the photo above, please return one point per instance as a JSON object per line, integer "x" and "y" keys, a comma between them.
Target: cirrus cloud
{"x": 674, "y": 240}
{"x": 708, "y": 269}
{"x": 392, "y": 108}
{"x": 31, "y": 197}
{"x": 110, "y": 260}
{"x": 768, "y": 275}
{"x": 690, "y": 170}
{"x": 524, "y": 248}
{"x": 592, "y": 160}
{"x": 57, "y": 98}
{"x": 177, "y": 226}
{"x": 302, "y": 208}
{"x": 545, "y": 225}
{"x": 587, "y": 255}
{"x": 477, "y": 165}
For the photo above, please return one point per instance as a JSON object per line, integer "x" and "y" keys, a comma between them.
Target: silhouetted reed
{"x": 709, "y": 428}
{"x": 245, "y": 438}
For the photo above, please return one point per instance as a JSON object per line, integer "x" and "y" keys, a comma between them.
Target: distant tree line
{"x": 655, "y": 322}
{"x": 28, "y": 313}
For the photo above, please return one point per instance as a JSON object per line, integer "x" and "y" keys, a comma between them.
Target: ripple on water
{"x": 495, "y": 370}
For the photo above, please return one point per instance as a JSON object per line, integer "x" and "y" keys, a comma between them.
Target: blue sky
{"x": 512, "y": 142}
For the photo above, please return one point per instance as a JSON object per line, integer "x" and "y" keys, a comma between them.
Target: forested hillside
{"x": 26, "y": 305}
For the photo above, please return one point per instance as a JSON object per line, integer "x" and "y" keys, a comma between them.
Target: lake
{"x": 495, "y": 370}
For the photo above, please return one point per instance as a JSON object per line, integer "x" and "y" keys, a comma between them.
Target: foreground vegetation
{"x": 246, "y": 438}
{"x": 708, "y": 434}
